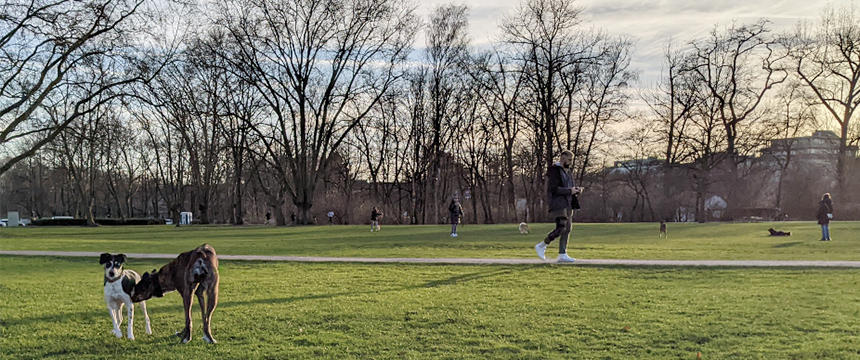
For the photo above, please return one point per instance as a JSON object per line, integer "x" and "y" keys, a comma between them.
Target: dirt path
{"x": 473, "y": 261}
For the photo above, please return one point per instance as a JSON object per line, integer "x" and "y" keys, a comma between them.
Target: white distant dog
{"x": 524, "y": 228}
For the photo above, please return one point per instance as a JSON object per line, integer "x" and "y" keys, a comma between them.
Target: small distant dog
{"x": 778, "y": 232}
{"x": 119, "y": 284}
{"x": 663, "y": 233}
{"x": 524, "y": 228}
{"x": 192, "y": 272}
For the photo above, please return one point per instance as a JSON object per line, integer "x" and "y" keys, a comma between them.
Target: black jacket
{"x": 559, "y": 196}
{"x": 455, "y": 210}
{"x": 824, "y": 207}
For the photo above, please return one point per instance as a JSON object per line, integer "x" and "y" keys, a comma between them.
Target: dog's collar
{"x": 112, "y": 281}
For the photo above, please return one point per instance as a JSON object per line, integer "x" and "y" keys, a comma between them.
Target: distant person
{"x": 455, "y": 211}
{"x": 563, "y": 200}
{"x": 825, "y": 214}
{"x": 375, "y": 215}
{"x": 330, "y": 217}
{"x": 663, "y": 234}
{"x": 268, "y": 218}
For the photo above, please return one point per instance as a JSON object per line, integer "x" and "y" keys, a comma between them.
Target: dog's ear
{"x": 121, "y": 258}
{"x": 105, "y": 257}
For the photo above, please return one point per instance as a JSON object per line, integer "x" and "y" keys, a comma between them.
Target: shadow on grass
{"x": 788, "y": 244}
{"x": 93, "y": 314}
{"x": 453, "y": 280}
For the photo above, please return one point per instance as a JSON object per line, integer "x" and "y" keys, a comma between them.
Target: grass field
{"x": 591, "y": 241}
{"x": 52, "y": 308}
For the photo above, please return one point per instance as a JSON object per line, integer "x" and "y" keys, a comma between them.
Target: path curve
{"x": 475, "y": 261}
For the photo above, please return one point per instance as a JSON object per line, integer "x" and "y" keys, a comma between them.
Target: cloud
{"x": 651, "y": 23}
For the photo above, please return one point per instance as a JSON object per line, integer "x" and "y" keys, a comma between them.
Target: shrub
{"x": 99, "y": 221}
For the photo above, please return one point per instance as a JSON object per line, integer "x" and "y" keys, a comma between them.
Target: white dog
{"x": 524, "y": 228}
{"x": 119, "y": 284}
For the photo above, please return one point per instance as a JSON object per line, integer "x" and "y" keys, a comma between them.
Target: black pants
{"x": 562, "y": 229}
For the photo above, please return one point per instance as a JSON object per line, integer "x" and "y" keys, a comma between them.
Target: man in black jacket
{"x": 562, "y": 196}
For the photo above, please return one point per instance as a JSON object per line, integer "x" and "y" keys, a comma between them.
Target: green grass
{"x": 608, "y": 241}
{"x": 53, "y": 308}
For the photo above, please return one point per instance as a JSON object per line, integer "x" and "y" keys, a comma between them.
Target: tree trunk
{"x": 238, "y": 208}
{"x": 437, "y": 171}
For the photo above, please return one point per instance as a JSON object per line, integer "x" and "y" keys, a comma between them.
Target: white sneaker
{"x": 540, "y": 248}
{"x": 563, "y": 258}
{"x": 455, "y": 235}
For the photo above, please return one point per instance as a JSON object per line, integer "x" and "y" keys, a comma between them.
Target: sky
{"x": 650, "y": 23}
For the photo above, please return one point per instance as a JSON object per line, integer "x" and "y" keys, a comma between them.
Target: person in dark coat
{"x": 562, "y": 199}
{"x": 825, "y": 214}
{"x": 375, "y": 215}
{"x": 455, "y": 211}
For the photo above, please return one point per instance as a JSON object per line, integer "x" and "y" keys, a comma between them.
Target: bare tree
{"x": 827, "y": 60}
{"x": 84, "y": 150}
{"x": 671, "y": 103}
{"x": 604, "y": 98}
{"x": 551, "y": 51}
{"x": 446, "y": 51}
{"x": 416, "y": 163}
{"x": 474, "y": 150}
{"x": 81, "y": 49}
{"x": 738, "y": 67}
{"x": 544, "y": 32}
{"x": 500, "y": 88}
{"x": 320, "y": 67}
{"x": 706, "y": 142}
{"x": 640, "y": 172}
{"x": 792, "y": 112}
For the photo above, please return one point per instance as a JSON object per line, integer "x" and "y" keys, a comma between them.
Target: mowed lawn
{"x": 53, "y": 308}
{"x": 725, "y": 241}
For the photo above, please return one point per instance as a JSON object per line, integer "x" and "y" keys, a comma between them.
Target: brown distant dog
{"x": 194, "y": 271}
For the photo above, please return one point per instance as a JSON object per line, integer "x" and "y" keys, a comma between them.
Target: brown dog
{"x": 194, "y": 271}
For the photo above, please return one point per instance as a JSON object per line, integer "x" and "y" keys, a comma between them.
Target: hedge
{"x": 100, "y": 221}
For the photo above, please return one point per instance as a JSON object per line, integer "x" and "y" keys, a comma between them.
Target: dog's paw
{"x": 184, "y": 335}
{"x": 209, "y": 340}
{"x": 148, "y": 331}
{"x": 117, "y": 333}
{"x": 130, "y": 337}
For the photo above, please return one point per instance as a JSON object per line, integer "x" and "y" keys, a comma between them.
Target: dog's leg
{"x": 116, "y": 331}
{"x": 145, "y": 317}
{"x": 118, "y": 312}
{"x": 130, "y": 306}
{"x": 211, "y": 303}
{"x": 204, "y": 312}
{"x": 185, "y": 335}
